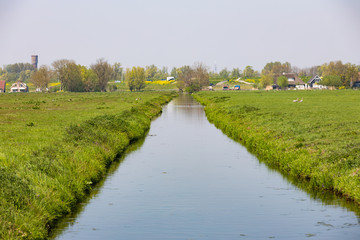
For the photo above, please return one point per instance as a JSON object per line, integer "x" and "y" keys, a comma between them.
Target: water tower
{"x": 34, "y": 60}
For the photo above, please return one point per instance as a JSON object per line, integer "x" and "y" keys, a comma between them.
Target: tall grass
{"x": 54, "y": 147}
{"x": 317, "y": 139}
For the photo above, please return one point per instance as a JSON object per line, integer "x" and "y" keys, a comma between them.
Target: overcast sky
{"x": 228, "y": 33}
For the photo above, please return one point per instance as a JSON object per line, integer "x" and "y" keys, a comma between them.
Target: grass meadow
{"x": 316, "y": 139}
{"x": 149, "y": 86}
{"x": 55, "y": 146}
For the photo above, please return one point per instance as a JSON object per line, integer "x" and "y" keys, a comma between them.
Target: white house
{"x": 19, "y": 87}
{"x": 293, "y": 80}
{"x": 315, "y": 83}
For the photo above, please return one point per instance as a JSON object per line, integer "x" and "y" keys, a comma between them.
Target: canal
{"x": 187, "y": 180}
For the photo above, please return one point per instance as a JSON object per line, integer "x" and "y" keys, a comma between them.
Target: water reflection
{"x": 190, "y": 181}
{"x": 324, "y": 196}
{"x": 181, "y": 106}
{"x": 70, "y": 219}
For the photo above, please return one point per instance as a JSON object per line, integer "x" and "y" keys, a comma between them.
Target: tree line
{"x": 235, "y": 73}
{"x": 77, "y": 78}
{"x": 72, "y": 77}
{"x": 189, "y": 78}
{"x": 17, "y": 72}
{"x": 334, "y": 73}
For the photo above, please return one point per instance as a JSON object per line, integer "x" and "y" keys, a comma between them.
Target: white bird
{"x": 301, "y": 100}
{"x": 296, "y": 100}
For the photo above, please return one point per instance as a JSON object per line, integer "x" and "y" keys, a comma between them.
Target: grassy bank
{"x": 317, "y": 139}
{"x": 54, "y": 147}
{"x": 150, "y": 86}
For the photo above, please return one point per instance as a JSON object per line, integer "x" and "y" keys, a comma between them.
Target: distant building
{"x": 2, "y": 86}
{"x": 315, "y": 83}
{"x": 170, "y": 78}
{"x": 356, "y": 84}
{"x": 293, "y": 80}
{"x": 34, "y": 61}
{"x": 19, "y": 87}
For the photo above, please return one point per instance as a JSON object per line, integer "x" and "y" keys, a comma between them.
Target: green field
{"x": 150, "y": 86}
{"x": 56, "y": 146}
{"x": 317, "y": 140}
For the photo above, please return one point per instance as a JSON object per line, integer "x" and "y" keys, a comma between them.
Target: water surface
{"x": 190, "y": 181}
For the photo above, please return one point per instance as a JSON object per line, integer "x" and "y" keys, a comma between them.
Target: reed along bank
{"x": 309, "y": 135}
{"x": 55, "y": 147}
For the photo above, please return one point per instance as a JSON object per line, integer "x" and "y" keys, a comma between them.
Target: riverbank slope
{"x": 312, "y": 135}
{"x": 55, "y": 147}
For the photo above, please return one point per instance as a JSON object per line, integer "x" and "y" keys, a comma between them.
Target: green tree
{"x": 130, "y": 78}
{"x": 19, "y": 67}
{"x": 351, "y": 74}
{"x": 174, "y": 72}
{"x": 184, "y": 77}
{"x": 164, "y": 73}
{"x": 72, "y": 78}
{"x": 22, "y": 77}
{"x": 249, "y": 72}
{"x": 236, "y": 73}
{"x": 266, "y": 80}
{"x": 135, "y": 78}
{"x": 224, "y": 74}
{"x": 150, "y": 72}
{"x": 140, "y": 79}
{"x": 276, "y": 68}
{"x": 17, "y": 71}
{"x": 12, "y": 77}
{"x": 213, "y": 75}
{"x": 336, "y": 68}
{"x": 348, "y": 73}
{"x": 331, "y": 80}
{"x": 28, "y": 74}
{"x": 104, "y": 71}
{"x": 41, "y": 78}
{"x": 283, "y": 82}
{"x": 117, "y": 71}
{"x": 90, "y": 80}
{"x": 4, "y": 76}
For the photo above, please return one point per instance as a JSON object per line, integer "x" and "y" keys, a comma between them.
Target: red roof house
{"x": 2, "y": 86}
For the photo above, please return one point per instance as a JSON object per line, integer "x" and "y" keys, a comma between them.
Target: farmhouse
{"x": 19, "y": 87}
{"x": 2, "y": 86}
{"x": 356, "y": 84}
{"x": 314, "y": 83}
{"x": 293, "y": 80}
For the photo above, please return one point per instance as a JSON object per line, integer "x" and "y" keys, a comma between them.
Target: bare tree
{"x": 184, "y": 77}
{"x": 295, "y": 69}
{"x": 192, "y": 79}
{"x": 117, "y": 71}
{"x": 60, "y": 69}
{"x": 41, "y": 78}
{"x": 104, "y": 71}
{"x": 201, "y": 74}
